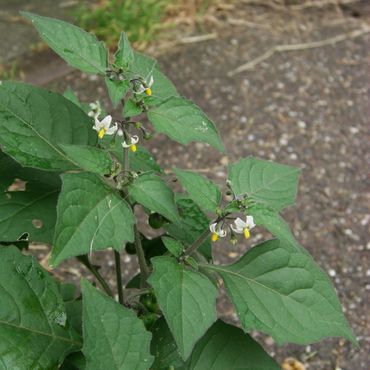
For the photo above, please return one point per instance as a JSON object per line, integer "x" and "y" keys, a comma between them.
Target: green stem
{"x": 117, "y": 259}
{"x": 198, "y": 242}
{"x": 144, "y": 269}
{"x": 85, "y": 261}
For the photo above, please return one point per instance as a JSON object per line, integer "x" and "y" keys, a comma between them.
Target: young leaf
{"x": 183, "y": 121}
{"x": 203, "y": 191}
{"x": 89, "y": 158}
{"x": 272, "y": 184}
{"x": 33, "y": 121}
{"x": 124, "y": 56}
{"x": 114, "y": 338}
{"x": 116, "y": 90}
{"x": 282, "y": 292}
{"x": 192, "y": 224}
{"x": 152, "y": 192}
{"x": 187, "y": 299}
{"x": 173, "y": 246}
{"x": 226, "y": 347}
{"x": 31, "y": 210}
{"x": 35, "y": 331}
{"x": 90, "y": 216}
{"x": 77, "y": 47}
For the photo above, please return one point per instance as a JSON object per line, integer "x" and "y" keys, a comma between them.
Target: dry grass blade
{"x": 297, "y": 47}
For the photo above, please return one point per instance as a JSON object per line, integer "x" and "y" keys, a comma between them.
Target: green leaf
{"x": 34, "y": 121}
{"x": 114, "y": 338}
{"x": 89, "y": 158}
{"x": 173, "y": 246}
{"x": 75, "y": 361}
{"x": 34, "y": 329}
{"x": 282, "y": 292}
{"x": 187, "y": 299}
{"x": 226, "y": 347}
{"x": 77, "y": 47}
{"x": 183, "y": 121}
{"x": 275, "y": 224}
{"x": 152, "y": 192}
{"x": 124, "y": 56}
{"x": 74, "y": 314}
{"x": 272, "y": 184}
{"x": 67, "y": 291}
{"x": 192, "y": 224}
{"x": 71, "y": 96}
{"x": 116, "y": 90}
{"x": 203, "y": 191}
{"x": 162, "y": 88}
{"x": 164, "y": 348}
{"x": 7, "y": 165}
{"x": 30, "y": 210}
{"x": 90, "y": 216}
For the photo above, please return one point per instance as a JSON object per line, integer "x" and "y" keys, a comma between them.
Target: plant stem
{"x": 117, "y": 259}
{"x": 198, "y": 242}
{"x": 85, "y": 261}
{"x": 144, "y": 269}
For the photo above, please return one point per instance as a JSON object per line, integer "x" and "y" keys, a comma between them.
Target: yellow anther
{"x": 102, "y": 132}
{"x": 214, "y": 237}
{"x": 148, "y": 91}
{"x": 133, "y": 148}
{"x": 246, "y": 233}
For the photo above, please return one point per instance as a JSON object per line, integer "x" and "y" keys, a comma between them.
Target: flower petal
{"x": 112, "y": 130}
{"x": 250, "y": 222}
{"x": 151, "y": 81}
{"x": 240, "y": 224}
{"x": 221, "y": 233}
{"x": 212, "y": 227}
{"x": 106, "y": 121}
{"x": 236, "y": 229}
{"x": 125, "y": 145}
{"x": 134, "y": 139}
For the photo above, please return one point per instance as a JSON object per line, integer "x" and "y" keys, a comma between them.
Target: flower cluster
{"x": 105, "y": 127}
{"x": 239, "y": 227}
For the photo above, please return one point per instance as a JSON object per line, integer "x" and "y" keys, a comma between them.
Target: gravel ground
{"x": 306, "y": 108}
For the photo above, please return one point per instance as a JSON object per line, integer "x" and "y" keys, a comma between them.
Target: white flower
{"x": 243, "y": 227}
{"x": 132, "y": 143}
{"x": 104, "y": 127}
{"x": 216, "y": 232}
{"x": 145, "y": 86}
{"x": 95, "y": 110}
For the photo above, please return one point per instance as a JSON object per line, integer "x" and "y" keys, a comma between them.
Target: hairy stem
{"x": 117, "y": 259}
